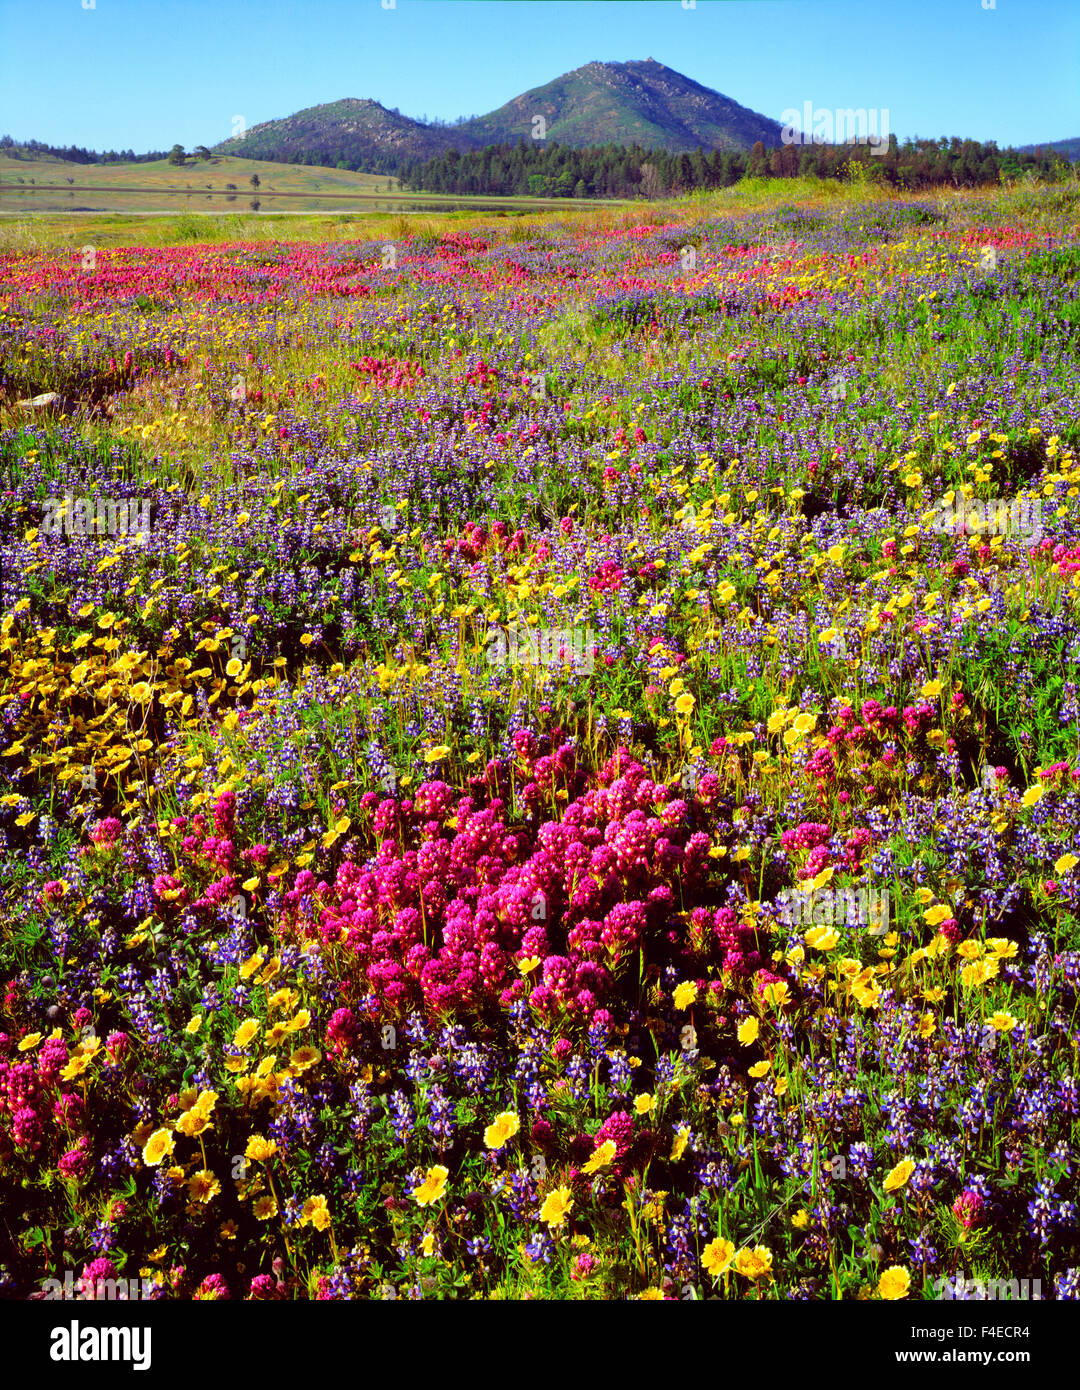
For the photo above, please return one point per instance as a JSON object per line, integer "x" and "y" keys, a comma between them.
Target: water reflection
{"x": 18, "y": 198}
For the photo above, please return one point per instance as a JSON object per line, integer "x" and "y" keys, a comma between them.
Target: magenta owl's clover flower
{"x": 21, "y": 1084}
{"x": 619, "y": 1128}
{"x": 224, "y": 811}
{"x": 94, "y": 1275}
{"x": 558, "y": 975}
{"x": 736, "y": 941}
{"x": 69, "y": 1111}
{"x": 51, "y": 1059}
{"x": 702, "y": 919}
{"x": 341, "y": 1031}
{"x": 968, "y": 1208}
{"x": 213, "y": 1288}
{"x": 433, "y": 800}
{"x": 951, "y": 930}
{"x": 224, "y": 854}
{"x": 821, "y": 765}
{"x": 169, "y": 889}
{"x": 524, "y": 744}
{"x": 816, "y": 860}
{"x": 709, "y": 790}
{"x": 75, "y": 1163}
{"x": 544, "y": 1000}
{"x": 387, "y": 818}
{"x": 808, "y": 835}
{"x": 764, "y": 978}
{"x": 107, "y": 832}
{"x": 624, "y": 926}
{"x": 694, "y": 854}
{"x": 857, "y": 843}
{"x": 27, "y": 1128}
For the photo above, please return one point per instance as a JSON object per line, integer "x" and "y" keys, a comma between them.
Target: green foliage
{"x": 191, "y": 226}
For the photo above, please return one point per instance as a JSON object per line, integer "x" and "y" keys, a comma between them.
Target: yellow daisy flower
{"x": 754, "y": 1264}
{"x": 433, "y": 1186}
{"x": 717, "y": 1256}
{"x": 158, "y": 1146}
{"x": 685, "y": 994}
{"x": 260, "y": 1149}
{"x": 899, "y": 1175}
{"x": 503, "y": 1128}
{"x": 557, "y": 1206}
{"x": 203, "y": 1186}
{"x": 245, "y": 1032}
{"x": 894, "y": 1283}
{"x": 601, "y": 1157}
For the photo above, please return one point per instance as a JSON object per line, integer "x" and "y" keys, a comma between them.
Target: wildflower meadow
{"x": 540, "y": 759}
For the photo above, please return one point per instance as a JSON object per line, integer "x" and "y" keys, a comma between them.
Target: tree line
{"x": 74, "y": 154}
{"x": 544, "y": 168}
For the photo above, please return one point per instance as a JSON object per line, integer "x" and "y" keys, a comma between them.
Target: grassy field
{"x": 58, "y": 231}
{"x": 197, "y": 176}
{"x": 438, "y": 843}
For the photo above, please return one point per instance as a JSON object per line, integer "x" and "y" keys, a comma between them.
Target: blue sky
{"x": 144, "y": 74}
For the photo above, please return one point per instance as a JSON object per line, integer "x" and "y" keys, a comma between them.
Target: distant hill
{"x": 643, "y": 103}
{"x": 356, "y": 131}
{"x": 1069, "y": 148}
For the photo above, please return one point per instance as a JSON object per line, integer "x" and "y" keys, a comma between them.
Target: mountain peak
{"x": 640, "y": 101}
